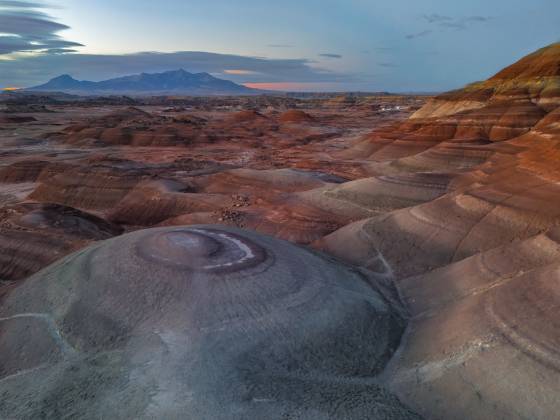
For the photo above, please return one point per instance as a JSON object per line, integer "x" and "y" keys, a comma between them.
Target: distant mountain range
{"x": 170, "y": 82}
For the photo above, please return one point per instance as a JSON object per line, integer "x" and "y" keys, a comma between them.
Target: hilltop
{"x": 535, "y": 77}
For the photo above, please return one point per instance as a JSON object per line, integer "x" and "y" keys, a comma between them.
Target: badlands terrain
{"x": 342, "y": 256}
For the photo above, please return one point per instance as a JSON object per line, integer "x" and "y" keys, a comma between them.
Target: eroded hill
{"x": 456, "y": 204}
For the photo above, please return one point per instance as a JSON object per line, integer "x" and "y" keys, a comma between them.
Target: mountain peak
{"x": 61, "y": 83}
{"x": 63, "y": 77}
{"x": 177, "y": 81}
{"x": 178, "y": 71}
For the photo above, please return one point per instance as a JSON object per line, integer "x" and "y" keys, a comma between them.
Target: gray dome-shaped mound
{"x": 198, "y": 323}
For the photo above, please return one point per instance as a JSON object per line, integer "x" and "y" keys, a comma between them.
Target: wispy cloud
{"x": 330, "y": 55}
{"x": 280, "y": 46}
{"x": 419, "y": 34}
{"x": 25, "y": 28}
{"x": 448, "y": 22}
{"x": 21, "y": 4}
{"x": 387, "y": 64}
{"x": 444, "y": 22}
{"x": 478, "y": 18}
{"x": 60, "y": 51}
{"x": 436, "y": 18}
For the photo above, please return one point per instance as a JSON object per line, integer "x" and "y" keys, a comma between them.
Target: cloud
{"x": 387, "y": 64}
{"x": 477, "y": 19}
{"x": 21, "y": 4}
{"x": 434, "y": 17}
{"x": 33, "y": 69}
{"x": 25, "y": 29}
{"x": 60, "y": 51}
{"x": 419, "y": 34}
{"x": 330, "y": 55}
{"x": 448, "y": 22}
{"x": 280, "y": 46}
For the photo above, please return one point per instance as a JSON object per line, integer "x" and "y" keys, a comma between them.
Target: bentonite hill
{"x": 200, "y": 322}
{"x": 147, "y": 269}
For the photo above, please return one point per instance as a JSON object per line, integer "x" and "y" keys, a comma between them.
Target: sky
{"x": 296, "y": 45}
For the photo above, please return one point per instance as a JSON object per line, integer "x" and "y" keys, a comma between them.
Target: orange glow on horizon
{"x": 10, "y": 89}
{"x": 240, "y": 72}
{"x": 289, "y": 86}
